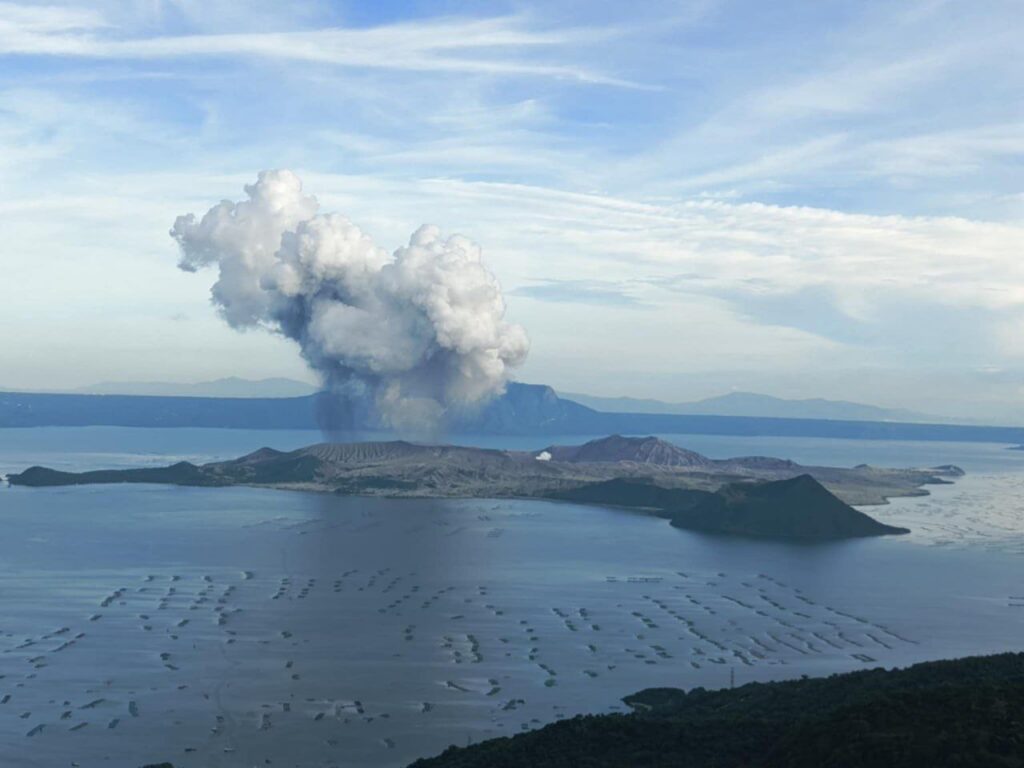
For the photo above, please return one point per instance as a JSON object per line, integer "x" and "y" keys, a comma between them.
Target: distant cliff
{"x": 523, "y": 409}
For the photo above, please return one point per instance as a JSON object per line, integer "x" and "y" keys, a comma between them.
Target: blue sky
{"x": 680, "y": 199}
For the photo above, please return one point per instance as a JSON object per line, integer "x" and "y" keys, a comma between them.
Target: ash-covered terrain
{"x": 756, "y": 496}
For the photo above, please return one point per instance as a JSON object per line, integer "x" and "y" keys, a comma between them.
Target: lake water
{"x": 241, "y": 627}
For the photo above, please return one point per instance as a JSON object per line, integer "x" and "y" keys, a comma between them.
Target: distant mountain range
{"x": 524, "y": 409}
{"x": 229, "y": 387}
{"x": 732, "y": 404}
{"x": 746, "y": 404}
{"x": 753, "y": 404}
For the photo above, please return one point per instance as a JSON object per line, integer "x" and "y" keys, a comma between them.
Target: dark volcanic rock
{"x": 181, "y": 473}
{"x": 799, "y": 508}
{"x": 641, "y": 450}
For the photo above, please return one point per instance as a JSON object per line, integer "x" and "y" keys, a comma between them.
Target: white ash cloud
{"x": 420, "y": 331}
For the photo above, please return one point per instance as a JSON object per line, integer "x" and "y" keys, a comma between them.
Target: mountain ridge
{"x": 753, "y": 404}
{"x": 641, "y": 450}
{"x": 227, "y": 387}
{"x": 524, "y": 409}
{"x": 730, "y": 404}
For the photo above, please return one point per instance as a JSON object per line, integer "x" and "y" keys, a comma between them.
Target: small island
{"x": 747, "y": 496}
{"x": 799, "y": 508}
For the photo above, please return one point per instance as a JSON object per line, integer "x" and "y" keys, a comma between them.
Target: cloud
{"x": 579, "y": 292}
{"x": 892, "y": 324}
{"x": 28, "y": 20}
{"x": 805, "y": 175}
{"x": 414, "y": 334}
{"x": 892, "y": 288}
{"x": 727, "y": 288}
{"x": 824, "y": 115}
{"x": 492, "y": 46}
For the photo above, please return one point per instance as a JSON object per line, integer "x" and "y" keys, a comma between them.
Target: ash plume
{"x": 415, "y": 334}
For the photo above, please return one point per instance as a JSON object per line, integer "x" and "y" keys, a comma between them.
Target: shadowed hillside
{"x": 965, "y": 713}
{"x": 798, "y": 508}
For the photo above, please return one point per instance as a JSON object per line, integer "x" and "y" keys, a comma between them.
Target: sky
{"x": 680, "y": 199}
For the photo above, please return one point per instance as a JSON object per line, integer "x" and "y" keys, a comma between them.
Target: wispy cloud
{"x": 596, "y": 292}
{"x": 493, "y": 46}
{"x": 796, "y": 186}
{"x": 826, "y": 118}
{"x": 41, "y": 20}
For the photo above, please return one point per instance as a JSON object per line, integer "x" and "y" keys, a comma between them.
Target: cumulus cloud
{"x": 417, "y": 333}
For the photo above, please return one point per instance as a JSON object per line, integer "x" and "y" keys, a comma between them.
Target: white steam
{"x": 419, "y": 332}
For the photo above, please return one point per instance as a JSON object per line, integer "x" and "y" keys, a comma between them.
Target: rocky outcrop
{"x": 799, "y": 509}
{"x": 639, "y": 450}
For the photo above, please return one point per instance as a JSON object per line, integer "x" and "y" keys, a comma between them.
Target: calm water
{"x": 230, "y": 627}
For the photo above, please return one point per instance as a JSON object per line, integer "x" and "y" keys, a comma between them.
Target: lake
{"x": 240, "y": 627}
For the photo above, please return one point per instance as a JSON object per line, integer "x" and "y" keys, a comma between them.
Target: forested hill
{"x": 525, "y": 409}
{"x": 965, "y": 713}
